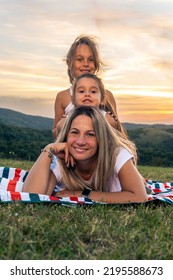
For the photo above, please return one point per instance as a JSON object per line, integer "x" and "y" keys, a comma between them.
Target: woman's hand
{"x": 67, "y": 193}
{"x": 61, "y": 151}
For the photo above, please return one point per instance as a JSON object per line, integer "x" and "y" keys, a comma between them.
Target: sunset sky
{"x": 135, "y": 40}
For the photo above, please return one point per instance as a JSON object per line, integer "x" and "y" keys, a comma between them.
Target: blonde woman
{"x": 88, "y": 159}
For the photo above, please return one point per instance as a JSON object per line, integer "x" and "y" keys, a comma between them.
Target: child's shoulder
{"x": 63, "y": 94}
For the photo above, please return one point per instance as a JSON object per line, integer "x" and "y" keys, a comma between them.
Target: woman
{"x": 91, "y": 160}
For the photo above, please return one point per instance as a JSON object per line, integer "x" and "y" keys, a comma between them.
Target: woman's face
{"x": 83, "y": 61}
{"x": 87, "y": 93}
{"x": 81, "y": 139}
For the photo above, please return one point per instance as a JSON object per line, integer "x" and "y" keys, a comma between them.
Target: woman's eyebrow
{"x": 73, "y": 128}
{"x": 90, "y": 130}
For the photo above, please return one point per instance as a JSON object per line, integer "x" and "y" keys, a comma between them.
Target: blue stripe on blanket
{"x": 5, "y": 172}
{"x": 24, "y": 177}
{"x": 34, "y": 197}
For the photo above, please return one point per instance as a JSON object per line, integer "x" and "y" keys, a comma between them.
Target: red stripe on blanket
{"x": 11, "y": 185}
{"x": 16, "y": 196}
{"x": 17, "y": 174}
{"x": 54, "y": 198}
{"x": 74, "y": 198}
{"x": 157, "y": 190}
{"x": 150, "y": 198}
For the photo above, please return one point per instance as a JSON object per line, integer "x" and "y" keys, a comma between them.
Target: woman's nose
{"x": 80, "y": 140}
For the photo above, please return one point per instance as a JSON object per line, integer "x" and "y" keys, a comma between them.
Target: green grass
{"x": 44, "y": 231}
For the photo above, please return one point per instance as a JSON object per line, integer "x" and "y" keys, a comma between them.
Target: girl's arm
{"x": 110, "y": 97}
{"x": 58, "y": 110}
{"x": 60, "y": 125}
{"x": 111, "y": 120}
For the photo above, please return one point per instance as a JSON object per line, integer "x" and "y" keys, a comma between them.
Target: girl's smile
{"x": 84, "y": 61}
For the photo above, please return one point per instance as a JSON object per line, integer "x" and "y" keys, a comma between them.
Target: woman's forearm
{"x": 108, "y": 197}
{"x": 38, "y": 178}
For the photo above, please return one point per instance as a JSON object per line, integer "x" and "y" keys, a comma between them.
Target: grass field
{"x": 44, "y": 231}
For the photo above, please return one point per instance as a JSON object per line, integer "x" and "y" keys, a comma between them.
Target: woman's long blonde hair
{"x": 109, "y": 142}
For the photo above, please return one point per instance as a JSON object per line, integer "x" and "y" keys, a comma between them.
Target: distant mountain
{"x": 14, "y": 118}
{"x": 132, "y": 126}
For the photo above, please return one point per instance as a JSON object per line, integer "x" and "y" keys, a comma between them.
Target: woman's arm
{"x": 133, "y": 189}
{"x": 40, "y": 178}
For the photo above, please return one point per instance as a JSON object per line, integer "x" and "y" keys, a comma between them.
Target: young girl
{"x": 89, "y": 159}
{"x": 82, "y": 57}
{"x": 88, "y": 90}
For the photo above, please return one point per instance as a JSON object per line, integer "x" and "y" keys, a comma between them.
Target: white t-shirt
{"x": 123, "y": 156}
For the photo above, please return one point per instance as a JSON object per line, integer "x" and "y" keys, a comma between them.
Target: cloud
{"x": 135, "y": 40}
{"x": 145, "y": 109}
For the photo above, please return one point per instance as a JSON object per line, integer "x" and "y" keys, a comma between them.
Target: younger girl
{"x": 88, "y": 90}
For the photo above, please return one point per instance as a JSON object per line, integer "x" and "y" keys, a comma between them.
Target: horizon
{"x": 134, "y": 38}
{"x": 133, "y": 123}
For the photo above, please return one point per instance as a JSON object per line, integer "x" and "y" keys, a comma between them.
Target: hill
{"x": 155, "y": 145}
{"x": 20, "y": 133}
{"x": 14, "y": 118}
{"x": 132, "y": 126}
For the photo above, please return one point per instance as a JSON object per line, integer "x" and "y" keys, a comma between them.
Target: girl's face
{"x": 87, "y": 93}
{"x": 81, "y": 139}
{"x": 83, "y": 61}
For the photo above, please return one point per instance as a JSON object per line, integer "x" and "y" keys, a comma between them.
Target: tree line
{"x": 26, "y": 144}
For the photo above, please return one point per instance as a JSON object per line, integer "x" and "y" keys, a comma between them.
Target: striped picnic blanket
{"x": 12, "y": 179}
